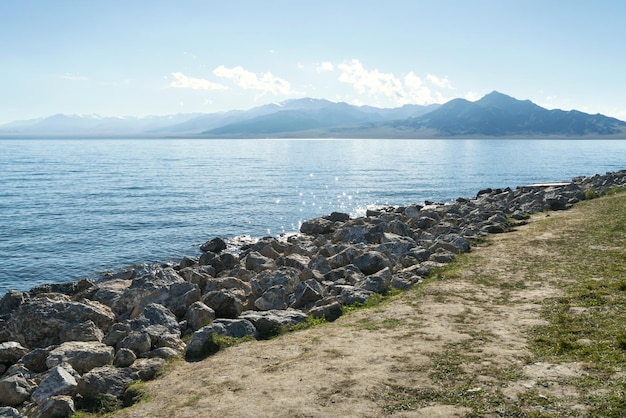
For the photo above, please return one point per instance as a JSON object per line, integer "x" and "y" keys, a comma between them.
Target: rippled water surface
{"x": 72, "y": 208}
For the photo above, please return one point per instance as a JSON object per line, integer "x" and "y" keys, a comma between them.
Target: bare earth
{"x": 389, "y": 360}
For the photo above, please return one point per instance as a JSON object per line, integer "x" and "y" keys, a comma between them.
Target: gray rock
{"x": 374, "y": 283}
{"x": 117, "y": 332}
{"x": 270, "y": 323}
{"x": 276, "y": 297}
{"x": 85, "y": 331}
{"x": 42, "y": 322}
{"x": 223, "y": 262}
{"x": 157, "y": 321}
{"x": 14, "y": 390}
{"x": 202, "y": 344}
{"x": 227, "y": 283}
{"x": 177, "y": 297}
{"x": 351, "y": 295}
{"x": 11, "y": 301}
{"x": 257, "y": 262}
{"x": 199, "y": 315}
{"x": 35, "y": 361}
{"x": 316, "y": 226}
{"x": 59, "y": 381}
{"x": 343, "y": 258}
{"x": 307, "y": 293}
{"x": 225, "y": 303}
{"x": 337, "y": 217}
{"x": 147, "y": 368}
{"x": 124, "y": 357}
{"x": 11, "y": 352}
{"x": 330, "y": 310}
{"x": 162, "y": 353}
{"x": 297, "y": 261}
{"x": 55, "y": 407}
{"x": 108, "y": 380}
{"x": 234, "y": 328}
{"x": 9, "y": 412}
{"x": 286, "y": 277}
{"x": 371, "y": 262}
{"x": 138, "y": 342}
{"x": 81, "y": 355}
{"x": 214, "y": 245}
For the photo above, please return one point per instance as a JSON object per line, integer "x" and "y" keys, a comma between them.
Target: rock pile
{"x": 86, "y": 341}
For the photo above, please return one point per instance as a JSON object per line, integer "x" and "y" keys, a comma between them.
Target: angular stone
{"x": 59, "y": 381}
{"x": 371, "y": 262}
{"x": 330, "y": 311}
{"x": 55, "y": 406}
{"x": 81, "y": 355}
{"x": 234, "y": 328}
{"x": 214, "y": 245}
{"x": 85, "y": 331}
{"x": 307, "y": 293}
{"x": 14, "y": 390}
{"x": 9, "y": 412}
{"x": 124, "y": 357}
{"x": 105, "y": 380}
{"x": 270, "y": 323}
{"x": 224, "y": 302}
{"x": 11, "y": 352}
{"x": 199, "y": 315}
{"x": 41, "y": 322}
{"x": 316, "y": 226}
{"x": 257, "y": 262}
{"x": 276, "y": 297}
{"x": 138, "y": 342}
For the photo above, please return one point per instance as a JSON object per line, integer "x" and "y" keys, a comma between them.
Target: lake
{"x": 70, "y": 209}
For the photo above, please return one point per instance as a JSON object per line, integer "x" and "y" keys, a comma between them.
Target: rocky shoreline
{"x": 79, "y": 344}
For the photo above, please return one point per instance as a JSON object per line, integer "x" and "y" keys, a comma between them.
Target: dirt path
{"x": 444, "y": 349}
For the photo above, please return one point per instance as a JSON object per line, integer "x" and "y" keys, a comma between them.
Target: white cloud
{"x": 325, "y": 66}
{"x": 184, "y": 82}
{"x": 245, "y": 79}
{"x": 439, "y": 81}
{"x": 73, "y": 77}
{"x": 400, "y": 90}
{"x": 371, "y": 82}
{"x": 472, "y": 96}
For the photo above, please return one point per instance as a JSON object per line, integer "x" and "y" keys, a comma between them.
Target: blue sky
{"x": 138, "y": 58}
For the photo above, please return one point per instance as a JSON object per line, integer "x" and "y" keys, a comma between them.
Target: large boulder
{"x": 257, "y": 262}
{"x": 272, "y": 322}
{"x": 225, "y": 303}
{"x": 55, "y": 406}
{"x": 203, "y": 342}
{"x": 307, "y": 293}
{"x": 11, "y": 352}
{"x": 214, "y": 245}
{"x": 316, "y": 226}
{"x": 176, "y": 297}
{"x": 159, "y": 323}
{"x": 108, "y": 380}
{"x": 14, "y": 390}
{"x": 81, "y": 355}
{"x": 59, "y": 381}
{"x": 371, "y": 262}
{"x": 10, "y": 301}
{"x": 42, "y": 322}
{"x": 276, "y": 297}
{"x": 286, "y": 277}
{"x": 199, "y": 315}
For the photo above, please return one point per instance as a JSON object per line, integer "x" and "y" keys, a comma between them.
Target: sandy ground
{"x": 366, "y": 364}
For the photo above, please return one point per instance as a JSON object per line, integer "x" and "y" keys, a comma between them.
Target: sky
{"x": 154, "y": 57}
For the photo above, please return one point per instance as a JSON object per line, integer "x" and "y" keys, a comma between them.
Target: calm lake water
{"x": 72, "y": 208}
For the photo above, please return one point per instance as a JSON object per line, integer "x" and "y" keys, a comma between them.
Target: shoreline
{"x": 68, "y": 344}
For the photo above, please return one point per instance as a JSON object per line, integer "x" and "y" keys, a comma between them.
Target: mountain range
{"x": 496, "y": 115}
